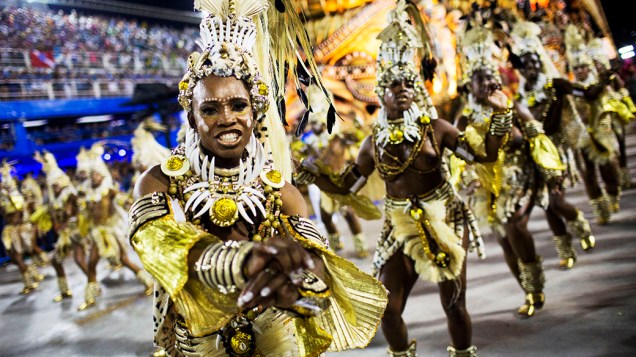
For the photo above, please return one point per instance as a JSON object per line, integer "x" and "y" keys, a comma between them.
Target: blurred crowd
{"x": 47, "y": 54}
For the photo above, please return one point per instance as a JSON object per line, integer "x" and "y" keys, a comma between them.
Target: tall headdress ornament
{"x": 259, "y": 44}
{"x": 11, "y": 199}
{"x": 405, "y": 45}
{"x": 83, "y": 160}
{"x": 147, "y": 151}
{"x": 479, "y": 52}
{"x": 54, "y": 174}
{"x": 525, "y": 36}
{"x": 576, "y": 49}
{"x": 596, "y": 50}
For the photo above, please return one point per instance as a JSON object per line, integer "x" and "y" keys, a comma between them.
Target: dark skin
{"x": 558, "y": 208}
{"x": 517, "y": 242}
{"x": 14, "y": 218}
{"x": 398, "y": 274}
{"x": 221, "y": 106}
{"x": 608, "y": 171}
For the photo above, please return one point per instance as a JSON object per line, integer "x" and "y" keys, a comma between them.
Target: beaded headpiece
{"x": 147, "y": 152}
{"x": 596, "y": 50}
{"x": 525, "y": 36}
{"x": 576, "y": 49}
{"x": 403, "y": 45}
{"x": 54, "y": 175}
{"x": 263, "y": 46}
{"x": 478, "y": 51}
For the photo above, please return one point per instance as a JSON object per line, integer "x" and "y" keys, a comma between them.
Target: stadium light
{"x": 122, "y": 152}
{"x": 106, "y": 157}
{"x": 625, "y": 49}
{"x": 33, "y": 123}
{"x": 628, "y": 54}
{"x": 94, "y": 119}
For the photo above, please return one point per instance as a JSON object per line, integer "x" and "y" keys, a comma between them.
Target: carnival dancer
{"x": 509, "y": 188}
{"x": 147, "y": 151}
{"x": 62, "y": 211}
{"x": 620, "y": 101}
{"x": 592, "y": 97}
{"x": 332, "y": 149}
{"x": 240, "y": 269}
{"x": 16, "y": 236}
{"x": 546, "y": 95}
{"x": 108, "y": 223}
{"x": 427, "y": 225}
{"x": 34, "y": 207}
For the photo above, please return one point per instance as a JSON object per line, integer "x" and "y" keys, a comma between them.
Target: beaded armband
{"x": 220, "y": 266}
{"x": 501, "y": 123}
{"x": 306, "y": 174}
{"x": 148, "y": 207}
{"x": 462, "y": 149}
{"x": 314, "y": 296}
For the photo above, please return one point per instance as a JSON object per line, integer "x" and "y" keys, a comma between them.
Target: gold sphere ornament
{"x": 224, "y": 212}
{"x": 396, "y": 136}
{"x": 442, "y": 259}
{"x": 425, "y": 119}
{"x": 241, "y": 343}
{"x": 416, "y": 213}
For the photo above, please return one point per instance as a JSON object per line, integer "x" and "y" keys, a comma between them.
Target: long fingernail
{"x": 245, "y": 298}
{"x": 266, "y": 291}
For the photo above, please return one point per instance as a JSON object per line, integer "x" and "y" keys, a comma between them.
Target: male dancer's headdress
{"x": 576, "y": 49}
{"x": 403, "y": 47}
{"x": 11, "y": 200}
{"x": 596, "y": 50}
{"x": 479, "y": 53}
{"x": 54, "y": 174}
{"x": 261, "y": 45}
{"x": 147, "y": 152}
{"x": 525, "y": 39}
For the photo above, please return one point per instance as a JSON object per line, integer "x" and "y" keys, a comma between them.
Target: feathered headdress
{"x": 525, "y": 39}
{"x": 83, "y": 160}
{"x": 11, "y": 200}
{"x": 479, "y": 52}
{"x": 596, "y": 50}
{"x": 261, "y": 45}
{"x": 576, "y": 49}
{"x": 404, "y": 45}
{"x": 96, "y": 162}
{"x": 54, "y": 175}
{"x": 147, "y": 152}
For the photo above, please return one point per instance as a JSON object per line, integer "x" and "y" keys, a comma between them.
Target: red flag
{"x": 42, "y": 59}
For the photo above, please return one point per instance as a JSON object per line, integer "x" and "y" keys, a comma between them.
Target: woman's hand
{"x": 497, "y": 99}
{"x": 274, "y": 272}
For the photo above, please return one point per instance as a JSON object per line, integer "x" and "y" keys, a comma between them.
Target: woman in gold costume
{"x": 240, "y": 270}
{"x": 427, "y": 226}
{"x": 509, "y": 188}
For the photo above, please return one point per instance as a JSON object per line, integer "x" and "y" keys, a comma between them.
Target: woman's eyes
{"x": 239, "y": 106}
{"x": 209, "y": 110}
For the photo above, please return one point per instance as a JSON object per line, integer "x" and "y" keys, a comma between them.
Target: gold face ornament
{"x": 224, "y": 212}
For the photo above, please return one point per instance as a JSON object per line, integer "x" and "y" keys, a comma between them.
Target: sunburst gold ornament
{"x": 241, "y": 343}
{"x": 224, "y": 212}
{"x": 416, "y": 213}
{"x": 273, "y": 178}
{"x": 396, "y": 136}
{"x": 175, "y": 165}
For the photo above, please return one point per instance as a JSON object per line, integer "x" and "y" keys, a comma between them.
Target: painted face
{"x": 96, "y": 179}
{"x": 483, "y": 84}
{"x": 222, "y": 115}
{"x": 581, "y": 72}
{"x": 398, "y": 97}
{"x": 530, "y": 66}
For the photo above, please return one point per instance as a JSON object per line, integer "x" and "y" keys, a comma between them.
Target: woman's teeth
{"x": 229, "y": 137}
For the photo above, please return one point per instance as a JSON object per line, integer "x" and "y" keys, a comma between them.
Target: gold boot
{"x": 469, "y": 352}
{"x": 567, "y": 254}
{"x": 580, "y": 228}
{"x": 90, "y": 296}
{"x": 601, "y": 209}
{"x": 334, "y": 242}
{"x": 360, "y": 245}
{"x": 147, "y": 280}
{"x": 65, "y": 292}
{"x": 614, "y": 202}
{"x": 532, "y": 280}
{"x": 409, "y": 352}
{"x": 625, "y": 178}
{"x": 29, "y": 283}
{"x": 35, "y": 273}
